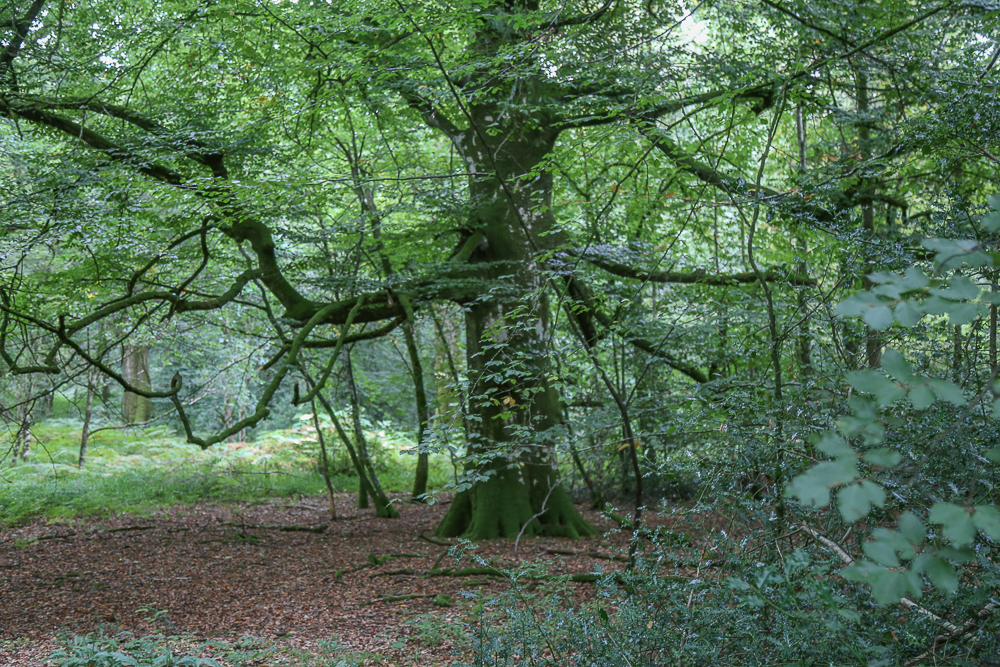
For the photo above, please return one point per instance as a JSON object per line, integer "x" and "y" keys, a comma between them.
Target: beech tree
{"x": 221, "y": 138}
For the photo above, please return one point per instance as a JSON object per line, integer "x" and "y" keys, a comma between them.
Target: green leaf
{"x": 883, "y": 456}
{"x": 963, "y": 313}
{"x": 881, "y": 552}
{"x": 962, "y": 555}
{"x": 856, "y": 501}
{"x": 956, "y": 523}
{"x": 873, "y": 382}
{"x": 897, "y": 366}
{"x": 914, "y": 279}
{"x": 891, "y": 587}
{"x": 907, "y": 314}
{"x": 862, "y": 572}
{"x": 994, "y": 453}
{"x": 879, "y": 317}
{"x": 812, "y": 488}
{"x": 947, "y": 391}
{"x": 856, "y": 304}
{"x": 833, "y": 445}
{"x": 912, "y": 528}
{"x": 987, "y": 519}
{"x": 942, "y": 574}
{"x": 960, "y": 287}
{"x": 921, "y": 397}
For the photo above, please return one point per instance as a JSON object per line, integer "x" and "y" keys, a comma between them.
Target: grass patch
{"x": 134, "y": 470}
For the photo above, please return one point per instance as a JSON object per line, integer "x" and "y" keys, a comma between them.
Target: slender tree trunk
{"x": 873, "y": 341}
{"x": 87, "y": 412}
{"x": 366, "y": 198}
{"x": 22, "y": 440}
{"x": 993, "y": 336}
{"x": 445, "y": 394}
{"x": 423, "y": 417}
{"x": 956, "y": 355}
{"x": 326, "y": 462}
{"x": 804, "y": 342}
{"x": 135, "y": 370}
{"x": 383, "y": 507}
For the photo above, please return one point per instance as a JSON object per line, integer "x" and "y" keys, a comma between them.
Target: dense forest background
{"x": 737, "y": 260}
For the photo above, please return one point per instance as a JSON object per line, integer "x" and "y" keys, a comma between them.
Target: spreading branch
{"x": 697, "y": 277}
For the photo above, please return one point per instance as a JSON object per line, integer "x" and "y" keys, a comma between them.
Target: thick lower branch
{"x": 697, "y": 277}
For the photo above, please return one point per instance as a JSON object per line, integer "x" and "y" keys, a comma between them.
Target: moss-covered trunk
{"x": 514, "y": 412}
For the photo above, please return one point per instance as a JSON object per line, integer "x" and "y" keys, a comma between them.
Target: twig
{"x": 906, "y": 602}
{"x": 400, "y": 598}
{"x": 965, "y": 629}
{"x": 537, "y": 514}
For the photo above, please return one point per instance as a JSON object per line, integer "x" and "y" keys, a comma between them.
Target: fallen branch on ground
{"x": 287, "y": 529}
{"x": 400, "y": 598}
{"x": 389, "y": 573}
{"x": 436, "y": 540}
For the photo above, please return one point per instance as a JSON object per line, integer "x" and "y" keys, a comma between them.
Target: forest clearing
{"x": 500, "y": 333}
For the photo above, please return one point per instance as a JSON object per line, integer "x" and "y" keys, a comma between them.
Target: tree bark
{"x": 87, "y": 414}
{"x": 383, "y": 507}
{"x": 423, "y": 416}
{"x": 513, "y": 413}
{"x": 135, "y": 369}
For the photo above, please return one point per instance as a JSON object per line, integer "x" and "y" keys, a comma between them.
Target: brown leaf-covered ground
{"x": 202, "y": 571}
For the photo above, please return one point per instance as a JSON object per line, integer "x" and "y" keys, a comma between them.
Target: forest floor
{"x": 228, "y": 574}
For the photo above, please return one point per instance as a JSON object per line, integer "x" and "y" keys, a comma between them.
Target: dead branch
{"x": 287, "y": 529}
{"x": 391, "y": 573}
{"x": 961, "y": 631}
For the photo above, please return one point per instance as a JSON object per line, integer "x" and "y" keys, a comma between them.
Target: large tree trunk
{"x": 513, "y": 409}
{"x": 135, "y": 369}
